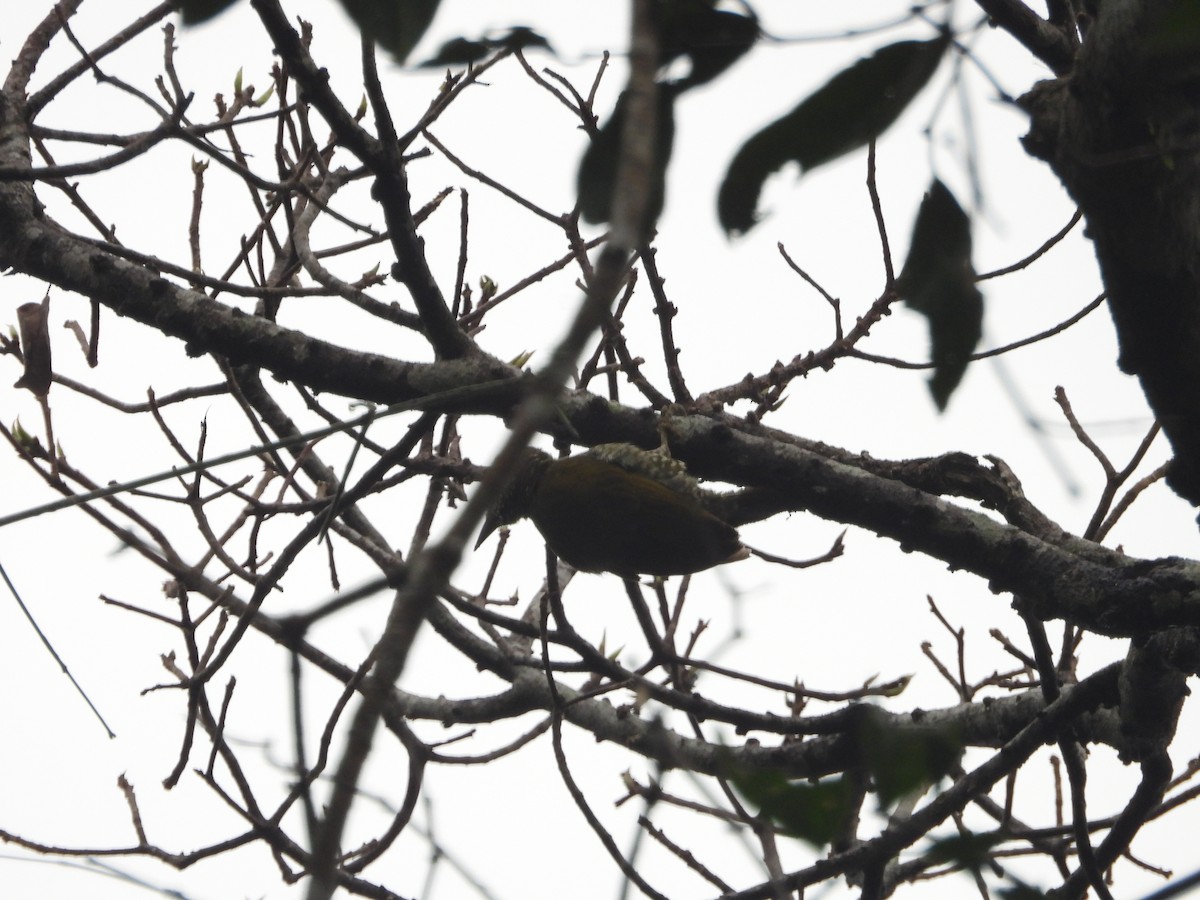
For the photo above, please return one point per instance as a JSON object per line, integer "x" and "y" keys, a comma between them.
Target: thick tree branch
{"x": 32, "y": 243}
{"x": 1119, "y": 597}
{"x": 1048, "y": 42}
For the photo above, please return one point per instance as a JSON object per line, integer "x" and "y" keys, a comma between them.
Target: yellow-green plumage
{"x": 606, "y": 512}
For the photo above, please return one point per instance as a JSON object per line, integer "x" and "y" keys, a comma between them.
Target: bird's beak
{"x": 490, "y": 523}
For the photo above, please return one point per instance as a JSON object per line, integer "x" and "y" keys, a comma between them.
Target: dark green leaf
{"x": 816, "y": 813}
{"x": 396, "y": 25}
{"x": 598, "y": 169}
{"x": 196, "y": 11}
{"x": 520, "y": 37}
{"x": 459, "y": 51}
{"x": 713, "y": 40}
{"x": 971, "y": 851}
{"x": 852, "y": 109}
{"x": 974, "y": 851}
{"x": 938, "y": 281}
{"x": 904, "y": 761}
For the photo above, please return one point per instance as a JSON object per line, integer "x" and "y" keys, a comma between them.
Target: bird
{"x": 616, "y": 508}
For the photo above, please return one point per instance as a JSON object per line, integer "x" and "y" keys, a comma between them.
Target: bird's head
{"x": 516, "y": 497}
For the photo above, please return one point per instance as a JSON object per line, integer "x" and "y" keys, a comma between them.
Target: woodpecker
{"x": 617, "y": 508}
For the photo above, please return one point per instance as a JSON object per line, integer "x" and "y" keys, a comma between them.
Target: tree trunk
{"x": 1120, "y": 130}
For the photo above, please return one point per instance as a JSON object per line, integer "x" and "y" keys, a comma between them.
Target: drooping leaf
{"x": 712, "y": 39}
{"x": 814, "y": 812}
{"x": 598, "y": 168}
{"x": 34, "y": 322}
{"x": 461, "y": 51}
{"x": 971, "y": 851}
{"x": 458, "y": 51}
{"x": 396, "y": 25}
{"x": 904, "y": 761}
{"x": 520, "y": 37}
{"x": 898, "y": 761}
{"x": 197, "y": 11}
{"x": 852, "y": 109}
{"x": 938, "y": 281}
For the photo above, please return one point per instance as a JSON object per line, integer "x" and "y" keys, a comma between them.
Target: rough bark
{"x": 1122, "y": 132}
